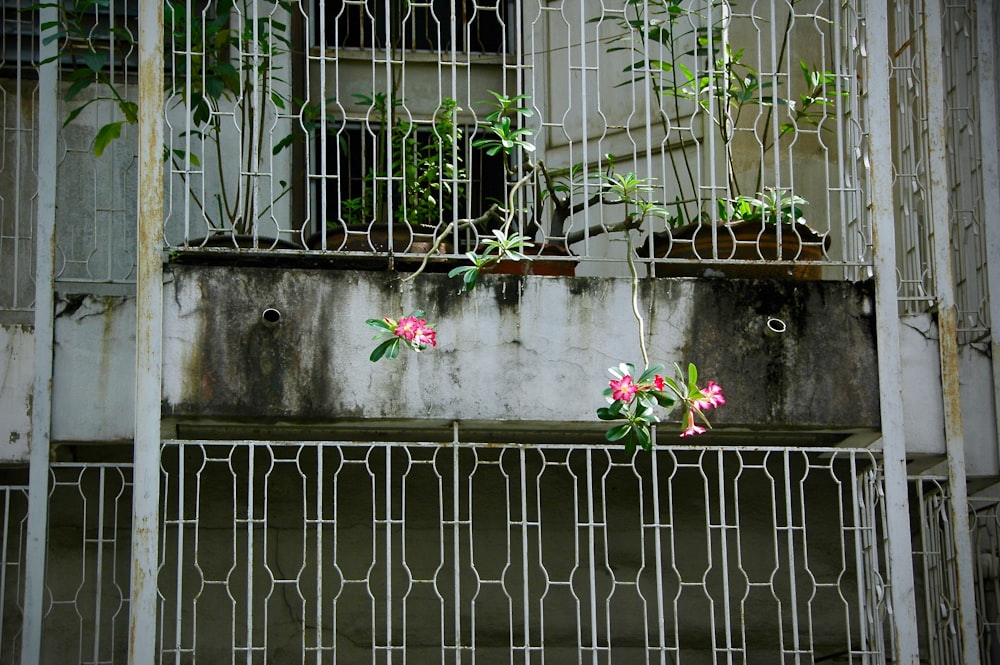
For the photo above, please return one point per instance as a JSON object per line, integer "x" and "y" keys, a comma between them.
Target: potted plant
{"x": 423, "y": 175}
{"x": 225, "y": 71}
{"x": 755, "y": 221}
{"x": 541, "y": 200}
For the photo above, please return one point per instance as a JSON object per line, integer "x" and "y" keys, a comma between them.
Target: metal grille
{"x": 381, "y": 553}
{"x": 965, "y": 177}
{"x": 281, "y": 119}
{"x": 911, "y": 180}
{"x": 386, "y": 122}
{"x": 88, "y": 561}
{"x": 13, "y": 528}
{"x": 937, "y": 563}
{"x": 985, "y": 515}
{"x": 18, "y": 171}
{"x": 96, "y": 205}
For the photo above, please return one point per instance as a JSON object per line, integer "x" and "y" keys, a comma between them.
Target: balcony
{"x": 706, "y": 139}
{"x": 691, "y": 179}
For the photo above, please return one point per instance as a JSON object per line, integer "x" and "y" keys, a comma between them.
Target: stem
{"x": 492, "y": 212}
{"x": 635, "y": 300}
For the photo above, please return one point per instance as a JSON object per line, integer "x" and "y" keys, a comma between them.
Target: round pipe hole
{"x": 270, "y": 316}
{"x": 775, "y": 326}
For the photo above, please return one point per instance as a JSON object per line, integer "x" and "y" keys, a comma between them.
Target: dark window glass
{"x": 425, "y": 27}
{"x": 352, "y": 156}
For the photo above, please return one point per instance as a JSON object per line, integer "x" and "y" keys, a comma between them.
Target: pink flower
{"x": 623, "y": 389}
{"x": 691, "y": 428}
{"x": 425, "y": 337}
{"x": 416, "y": 332}
{"x": 658, "y": 383}
{"x": 712, "y": 397}
{"x": 409, "y": 326}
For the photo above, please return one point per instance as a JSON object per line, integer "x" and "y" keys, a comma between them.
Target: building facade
{"x": 204, "y": 202}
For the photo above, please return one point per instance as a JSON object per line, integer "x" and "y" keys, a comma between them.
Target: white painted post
{"x": 989, "y": 126}
{"x": 904, "y": 618}
{"x": 944, "y": 284}
{"x": 149, "y": 332}
{"x": 41, "y": 411}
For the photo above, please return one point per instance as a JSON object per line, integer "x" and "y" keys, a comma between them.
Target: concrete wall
{"x": 529, "y": 353}
{"x": 17, "y": 353}
{"x": 502, "y": 350}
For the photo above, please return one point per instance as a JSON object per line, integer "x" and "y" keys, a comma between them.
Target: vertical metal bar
{"x": 592, "y": 552}
{"x": 41, "y": 411}
{"x": 526, "y": 613}
{"x": 456, "y": 549}
{"x": 248, "y": 619}
{"x": 388, "y": 552}
{"x": 658, "y": 550}
{"x": 948, "y": 330}
{"x": 99, "y": 564}
{"x": 320, "y": 480}
{"x": 149, "y": 300}
{"x": 179, "y": 567}
{"x": 790, "y": 540}
{"x": 900, "y": 562}
{"x": 989, "y": 106}
{"x": 727, "y": 610}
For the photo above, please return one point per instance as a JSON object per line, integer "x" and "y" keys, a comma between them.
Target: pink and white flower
{"x": 623, "y": 389}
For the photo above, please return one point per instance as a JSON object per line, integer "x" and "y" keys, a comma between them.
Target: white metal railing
{"x": 282, "y": 118}
{"x": 85, "y": 617}
{"x": 936, "y": 560}
{"x": 914, "y": 189}
{"x": 985, "y": 518}
{"x": 344, "y": 552}
{"x": 18, "y": 171}
{"x": 13, "y": 528}
{"x": 911, "y": 180}
{"x": 964, "y": 138}
{"x": 349, "y": 552}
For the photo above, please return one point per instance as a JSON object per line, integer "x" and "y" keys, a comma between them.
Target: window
{"x": 422, "y": 179}
{"x": 478, "y": 27}
{"x": 96, "y": 34}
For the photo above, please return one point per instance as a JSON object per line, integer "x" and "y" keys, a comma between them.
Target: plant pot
{"x": 752, "y": 240}
{"x": 236, "y": 249}
{"x": 360, "y": 250}
{"x": 538, "y": 265}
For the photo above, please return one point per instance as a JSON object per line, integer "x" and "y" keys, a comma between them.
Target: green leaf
{"x": 283, "y": 143}
{"x": 380, "y": 324}
{"x": 388, "y": 349}
{"x": 618, "y": 432}
{"x": 664, "y": 400}
{"x": 650, "y": 372}
{"x": 105, "y": 135}
{"x": 613, "y": 412}
{"x": 75, "y": 112}
{"x": 130, "y": 110}
{"x": 79, "y": 84}
{"x": 645, "y": 438}
{"x": 94, "y": 61}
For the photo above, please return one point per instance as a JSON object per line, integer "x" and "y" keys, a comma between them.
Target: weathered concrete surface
{"x": 93, "y": 368}
{"x": 17, "y": 353}
{"x": 529, "y": 352}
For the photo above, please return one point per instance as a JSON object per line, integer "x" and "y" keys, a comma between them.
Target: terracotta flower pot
{"x": 238, "y": 249}
{"x": 538, "y": 265}
{"x": 752, "y": 240}
{"x": 369, "y": 250}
